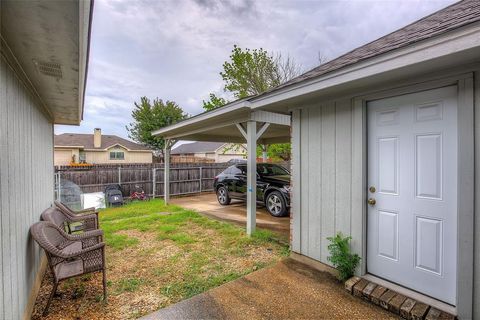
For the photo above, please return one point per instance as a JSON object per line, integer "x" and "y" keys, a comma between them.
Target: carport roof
{"x": 220, "y": 125}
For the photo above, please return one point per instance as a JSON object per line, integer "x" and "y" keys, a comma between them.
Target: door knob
{"x": 372, "y": 201}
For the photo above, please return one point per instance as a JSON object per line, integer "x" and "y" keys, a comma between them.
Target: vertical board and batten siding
{"x": 322, "y": 138}
{"x": 476, "y": 270}
{"x": 329, "y": 174}
{"x": 26, "y": 188}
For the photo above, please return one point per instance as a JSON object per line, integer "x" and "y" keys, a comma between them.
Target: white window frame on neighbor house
{"x": 82, "y": 156}
{"x": 116, "y": 153}
{"x": 466, "y": 197}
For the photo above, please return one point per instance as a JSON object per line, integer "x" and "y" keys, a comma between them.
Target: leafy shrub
{"x": 340, "y": 256}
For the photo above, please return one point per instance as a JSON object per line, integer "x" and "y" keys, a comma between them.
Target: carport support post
{"x": 251, "y": 176}
{"x": 166, "y": 172}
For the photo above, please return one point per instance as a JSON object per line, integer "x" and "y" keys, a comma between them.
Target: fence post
{"x": 59, "y": 180}
{"x": 154, "y": 182}
{"x": 119, "y": 176}
{"x": 201, "y": 179}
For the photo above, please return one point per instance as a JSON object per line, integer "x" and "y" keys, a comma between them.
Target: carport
{"x": 234, "y": 123}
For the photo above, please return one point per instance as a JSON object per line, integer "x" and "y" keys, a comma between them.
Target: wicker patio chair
{"x": 70, "y": 223}
{"x": 70, "y": 255}
{"x": 75, "y": 213}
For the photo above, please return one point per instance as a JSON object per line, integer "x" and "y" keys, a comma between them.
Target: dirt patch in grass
{"x": 156, "y": 260}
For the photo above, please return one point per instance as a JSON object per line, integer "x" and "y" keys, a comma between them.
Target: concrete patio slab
{"x": 287, "y": 290}
{"x": 236, "y": 212}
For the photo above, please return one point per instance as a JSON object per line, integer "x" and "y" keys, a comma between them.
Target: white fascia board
{"x": 85, "y": 10}
{"x": 441, "y": 46}
{"x": 68, "y": 147}
{"x": 235, "y": 106}
{"x": 270, "y": 117}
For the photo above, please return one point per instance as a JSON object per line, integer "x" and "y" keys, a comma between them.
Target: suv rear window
{"x": 242, "y": 170}
{"x": 268, "y": 170}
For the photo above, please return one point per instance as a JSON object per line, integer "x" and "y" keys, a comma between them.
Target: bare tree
{"x": 287, "y": 68}
{"x": 321, "y": 57}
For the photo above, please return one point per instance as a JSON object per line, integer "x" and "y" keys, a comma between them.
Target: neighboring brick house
{"x": 219, "y": 151}
{"x": 98, "y": 149}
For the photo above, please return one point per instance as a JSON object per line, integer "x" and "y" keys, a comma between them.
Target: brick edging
{"x": 393, "y": 301}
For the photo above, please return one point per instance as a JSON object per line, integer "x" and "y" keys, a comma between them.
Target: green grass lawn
{"x": 158, "y": 255}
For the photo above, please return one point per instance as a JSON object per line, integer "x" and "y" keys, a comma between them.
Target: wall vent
{"x": 51, "y": 69}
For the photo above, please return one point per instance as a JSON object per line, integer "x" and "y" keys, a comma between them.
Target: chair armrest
{"x": 85, "y": 235}
{"x": 83, "y": 217}
{"x": 82, "y": 252}
{"x": 91, "y": 210}
{"x": 90, "y": 221}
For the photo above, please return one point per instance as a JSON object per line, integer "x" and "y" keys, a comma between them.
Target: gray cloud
{"x": 174, "y": 50}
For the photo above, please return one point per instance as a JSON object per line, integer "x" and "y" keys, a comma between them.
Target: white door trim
{"x": 466, "y": 197}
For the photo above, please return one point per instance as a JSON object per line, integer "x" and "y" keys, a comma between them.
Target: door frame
{"x": 465, "y": 175}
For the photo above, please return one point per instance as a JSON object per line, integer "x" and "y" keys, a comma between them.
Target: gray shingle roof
{"x": 200, "y": 146}
{"x": 86, "y": 140}
{"x": 452, "y": 17}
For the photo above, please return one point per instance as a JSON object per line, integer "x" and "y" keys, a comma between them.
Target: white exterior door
{"x": 412, "y": 176}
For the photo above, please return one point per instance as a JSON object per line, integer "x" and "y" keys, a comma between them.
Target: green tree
{"x": 214, "y": 102}
{"x": 148, "y": 117}
{"x": 252, "y": 72}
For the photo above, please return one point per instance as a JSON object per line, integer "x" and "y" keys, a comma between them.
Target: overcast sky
{"x": 175, "y": 49}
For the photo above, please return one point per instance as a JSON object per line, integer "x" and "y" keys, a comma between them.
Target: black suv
{"x": 273, "y": 186}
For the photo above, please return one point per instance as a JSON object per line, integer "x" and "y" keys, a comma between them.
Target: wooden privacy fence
{"x": 184, "y": 178}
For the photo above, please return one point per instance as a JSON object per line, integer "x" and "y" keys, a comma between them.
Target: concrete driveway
{"x": 287, "y": 290}
{"x": 236, "y": 212}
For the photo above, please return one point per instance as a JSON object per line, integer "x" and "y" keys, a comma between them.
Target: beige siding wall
{"x": 226, "y": 157}
{"x": 26, "y": 189}
{"x": 97, "y": 157}
{"x": 63, "y": 157}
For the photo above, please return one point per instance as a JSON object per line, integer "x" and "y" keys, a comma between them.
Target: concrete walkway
{"x": 287, "y": 290}
{"x": 235, "y": 212}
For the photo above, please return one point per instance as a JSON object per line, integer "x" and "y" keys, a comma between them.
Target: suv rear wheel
{"x": 275, "y": 204}
{"x": 222, "y": 196}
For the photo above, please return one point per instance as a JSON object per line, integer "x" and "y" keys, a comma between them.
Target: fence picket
{"x": 185, "y": 178}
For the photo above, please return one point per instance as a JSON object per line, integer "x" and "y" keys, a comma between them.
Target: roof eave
{"x": 234, "y": 106}
{"x": 422, "y": 52}
{"x": 85, "y": 31}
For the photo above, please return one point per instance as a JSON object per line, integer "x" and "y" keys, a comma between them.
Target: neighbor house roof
{"x": 86, "y": 142}
{"x": 452, "y": 17}
{"x": 196, "y": 147}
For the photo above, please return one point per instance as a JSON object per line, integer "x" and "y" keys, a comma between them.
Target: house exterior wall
{"x": 102, "y": 157}
{"x": 26, "y": 189}
{"x": 329, "y": 175}
{"x": 219, "y": 158}
{"x": 476, "y": 270}
{"x": 324, "y": 182}
{"x": 63, "y": 157}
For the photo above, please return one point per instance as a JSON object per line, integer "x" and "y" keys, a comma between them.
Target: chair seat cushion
{"x": 73, "y": 248}
{"x": 69, "y": 269}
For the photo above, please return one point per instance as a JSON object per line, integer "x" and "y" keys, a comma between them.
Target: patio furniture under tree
{"x": 70, "y": 255}
{"x": 68, "y": 222}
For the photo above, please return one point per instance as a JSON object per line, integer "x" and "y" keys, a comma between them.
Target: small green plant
{"x": 340, "y": 256}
